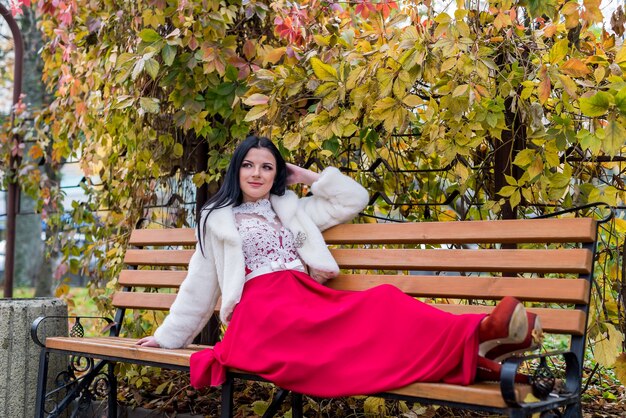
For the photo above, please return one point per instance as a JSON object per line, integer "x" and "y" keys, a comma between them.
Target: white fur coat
{"x": 221, "y": 270}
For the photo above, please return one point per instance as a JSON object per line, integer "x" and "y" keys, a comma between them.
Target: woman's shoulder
{"x": 218, "y": 221}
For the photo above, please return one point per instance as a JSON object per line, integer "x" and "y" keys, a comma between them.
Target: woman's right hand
{"x": 148, "y": 342}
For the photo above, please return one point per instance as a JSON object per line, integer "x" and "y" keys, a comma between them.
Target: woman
{"x": 260, "y": 247}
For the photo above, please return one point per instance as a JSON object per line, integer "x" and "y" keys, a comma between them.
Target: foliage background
{"x": 493, "y": 109}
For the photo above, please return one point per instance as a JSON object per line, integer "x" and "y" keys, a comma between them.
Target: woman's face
{"x": 256, "y": 174}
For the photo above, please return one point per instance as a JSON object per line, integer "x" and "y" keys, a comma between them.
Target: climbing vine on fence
{"x": 522, "y": 102}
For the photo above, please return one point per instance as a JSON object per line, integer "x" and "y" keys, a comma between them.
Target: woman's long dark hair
{"x": 230, "y": 191}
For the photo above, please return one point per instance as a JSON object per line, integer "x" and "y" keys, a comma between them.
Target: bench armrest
{"x": 76, "y": 330}
{"x": 511, "y": 365}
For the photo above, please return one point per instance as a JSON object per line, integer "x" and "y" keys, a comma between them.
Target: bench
{"x": 461, "y": 267}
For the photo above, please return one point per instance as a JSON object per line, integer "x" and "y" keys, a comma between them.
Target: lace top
{"x": 265, "y": 239}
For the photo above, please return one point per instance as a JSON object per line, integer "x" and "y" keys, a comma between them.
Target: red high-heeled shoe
{"x": 507, "y": 324}
{"x": 533, "y": 340}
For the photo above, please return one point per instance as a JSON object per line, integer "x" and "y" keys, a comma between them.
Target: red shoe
{"x": 507, "y": 324}
{"x": 489, "y": 371}
{"x": 533, "y": 340}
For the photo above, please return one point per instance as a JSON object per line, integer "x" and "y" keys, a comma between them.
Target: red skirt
{"x": 310, "y": 339}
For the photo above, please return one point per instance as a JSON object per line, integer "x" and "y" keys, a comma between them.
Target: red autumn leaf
{"x": 364, "y": 8}
{"x": 385, "y": 7}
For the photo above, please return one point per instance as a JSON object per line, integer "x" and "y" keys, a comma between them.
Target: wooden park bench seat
{"x": 461, "y": 267}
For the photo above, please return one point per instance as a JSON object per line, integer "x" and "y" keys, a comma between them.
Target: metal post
{"x": 13, "y": 187}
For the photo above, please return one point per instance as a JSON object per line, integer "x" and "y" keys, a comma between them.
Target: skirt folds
{"x": 310, "y": 339}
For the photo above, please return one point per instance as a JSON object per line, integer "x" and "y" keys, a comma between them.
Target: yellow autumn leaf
{"x": 614, "y": 136}
{"x": 568, "y": 85}
{"x": 256, "y": 112}
{"x": 571, "y": 13}
{"x": 62, "y": 290}
{"x": 559, "y": 51}
{"x": 274, "y": 55}
{"x": 291, "y": 140}
{"x": 620, "y": 225}
{"x": 256, "y": 99}
{"x": 323, "y": 71}
{"x": 412, "y": 100}
{"x": 545, "y": 87}
{"x": 460, "y": 90}
{"x": 374, "y": 406}
{"x": 620, "y": 368}
{"x": 608, "y": 346}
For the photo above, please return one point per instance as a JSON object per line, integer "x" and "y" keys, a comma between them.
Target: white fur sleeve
{"x": 194, "y": 303}
{"x": 336, "y": 199}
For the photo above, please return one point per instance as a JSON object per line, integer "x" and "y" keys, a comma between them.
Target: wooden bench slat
{"x": 139, "y": 300}
{"x": 500, "y": 231}
{"x": 484, "y": 393}
{"x": 519, "y": 261}
{"x": 161, "y": 237}
{"x": 126, "y": 349}
{"x": 472, "y": 287}
{"x": 158, "y": 257}
{"x": 151, "y": 278}
{"x": 122, "y": 349}
{"x": 458, "y": 287}
{"x": 559, "y": 321}
{"x": 526, "y": 261}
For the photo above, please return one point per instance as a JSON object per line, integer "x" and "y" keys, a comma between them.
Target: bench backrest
{"x": 454, "y": 265}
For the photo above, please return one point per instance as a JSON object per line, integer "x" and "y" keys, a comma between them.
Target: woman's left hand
{"x": 296, "y": 175}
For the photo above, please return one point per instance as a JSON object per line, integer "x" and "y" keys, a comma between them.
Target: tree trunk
{"x": 29, "y": 255}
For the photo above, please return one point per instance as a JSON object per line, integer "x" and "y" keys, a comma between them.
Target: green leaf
{"x": 620, "y": 100}
{"x": 159, "y": 390}
{"x": 323, "y": 71}
{"x": 123, "y": 102}
{"x": 152, "y": 68}
{"x": 537, "y": 8}
{"x": 596, "y": 105}
{"x": 149, "y": 104}
{"x": 178, "y": 150}
{"x": 149, "y": 35}
{"x": 511, "y": 180}
{"x": 507, "y": 191}
{"x": 524, "y": 157}
{"x": 559, "y": 180}
{"x": 168, "y": 53}
{"x": 614, "y": 134}
{"x": 259, "y": 407}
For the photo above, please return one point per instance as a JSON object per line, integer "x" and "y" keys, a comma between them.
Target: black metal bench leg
{"x": 573, "y": 411}
{"x": 112, "y": 401}
{"x": 227, "y": 397}
{"x": 296, "y": 405}
{"x": 42, "y": 378}
{"x": 276, "y": 403}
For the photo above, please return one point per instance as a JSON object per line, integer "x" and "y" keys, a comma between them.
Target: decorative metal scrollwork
{"x": 542, "y": 380}
{"x": 82, "y": 377}
{"x": 101, "y": 386}
{"x": 81, "y": 364}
